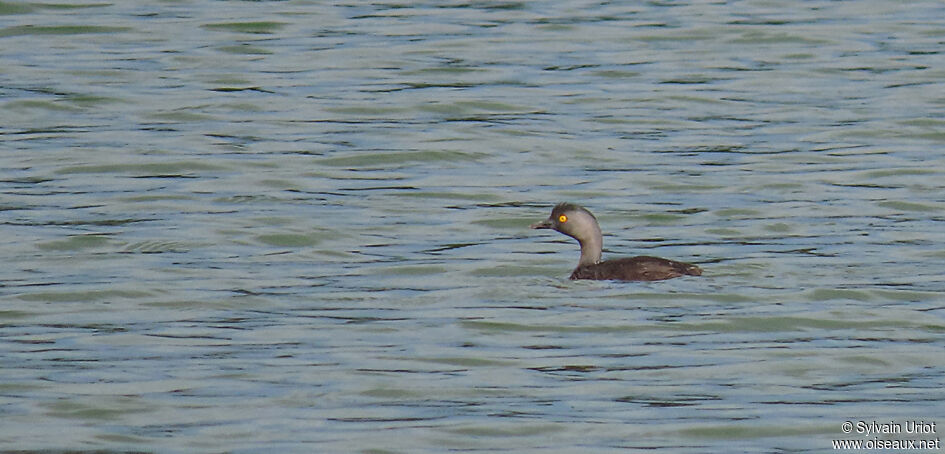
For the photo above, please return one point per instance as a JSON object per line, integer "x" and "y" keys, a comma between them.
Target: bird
{"x": 577, "y": 222}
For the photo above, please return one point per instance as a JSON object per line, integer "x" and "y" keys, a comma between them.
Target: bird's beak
{"x": 546, "y": 224}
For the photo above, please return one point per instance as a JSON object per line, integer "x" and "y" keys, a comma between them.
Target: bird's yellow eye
{"x": 562, "y": 219}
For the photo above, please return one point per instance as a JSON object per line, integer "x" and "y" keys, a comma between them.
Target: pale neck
{"x": 591, "y": 248}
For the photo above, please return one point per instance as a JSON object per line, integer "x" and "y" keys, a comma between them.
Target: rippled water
{"x": 302, "y": 227}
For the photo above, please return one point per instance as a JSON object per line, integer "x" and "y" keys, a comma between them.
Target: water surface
{"x": 296, "y": 226}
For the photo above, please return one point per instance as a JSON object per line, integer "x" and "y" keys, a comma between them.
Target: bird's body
{"x": 578, "y": 223}
{"x": 641, "y": 268}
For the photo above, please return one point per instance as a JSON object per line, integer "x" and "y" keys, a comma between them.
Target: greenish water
{"x": 303, "y": 227}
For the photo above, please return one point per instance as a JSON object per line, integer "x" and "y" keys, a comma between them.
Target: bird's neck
{"x": 590, "y": 249}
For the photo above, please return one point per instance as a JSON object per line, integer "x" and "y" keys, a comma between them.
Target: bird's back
{"x": 641, "y": 268}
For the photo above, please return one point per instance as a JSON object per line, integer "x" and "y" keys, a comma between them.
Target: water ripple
{"x": 280, "y": 225}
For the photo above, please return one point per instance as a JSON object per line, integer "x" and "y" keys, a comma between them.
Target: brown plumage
{"x": 578, "y": 223}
